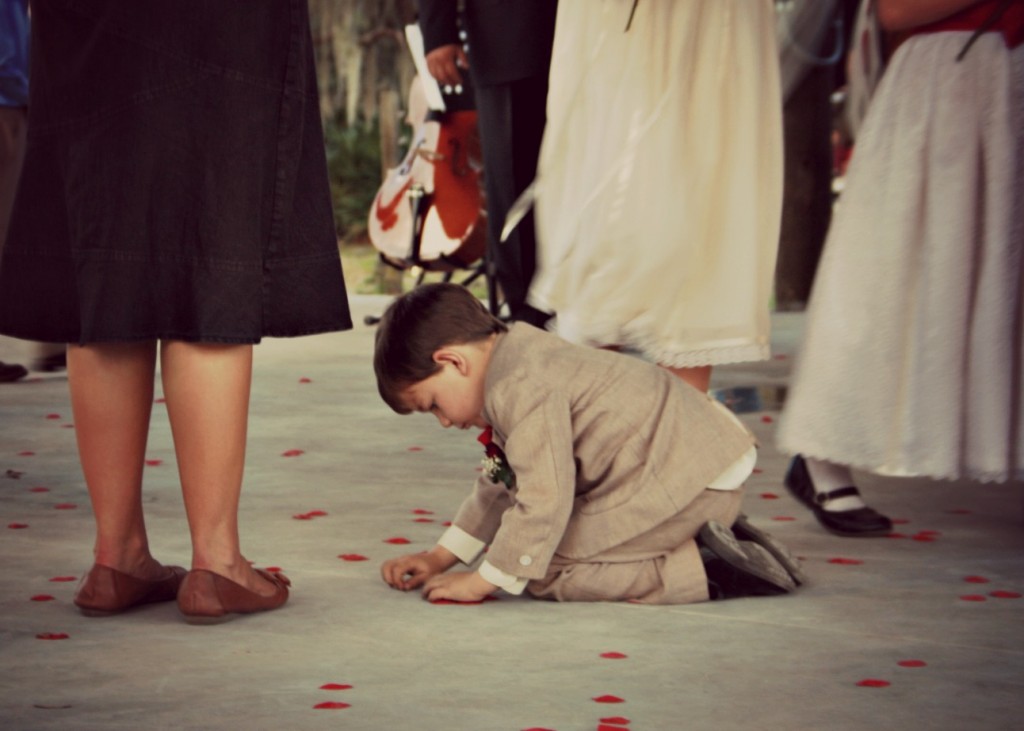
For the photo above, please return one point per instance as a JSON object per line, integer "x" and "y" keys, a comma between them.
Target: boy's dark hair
{"x": 415, "y": 326}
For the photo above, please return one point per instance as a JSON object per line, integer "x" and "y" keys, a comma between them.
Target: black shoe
{"x": 11, "y": 372}
{"x": 744, "y": 530}
{"x": 740, "y": 568}
{"x": 858, "y": 522}
{"x": 51, "y": 363}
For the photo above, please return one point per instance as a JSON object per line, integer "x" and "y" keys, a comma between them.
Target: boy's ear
{"x": 452, "y": 356}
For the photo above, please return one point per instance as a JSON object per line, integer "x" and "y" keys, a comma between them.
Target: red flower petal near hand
{"x": 65, "y": 506}
{"x": 273, "y": 569}
{"x": 52, "y": 636}
{"x": 846, "y": 561}
{"x": 783, "y": 518}
{"x": 422, "y": 511}
{"x": 42, "y": 598}
{"x": 305, "y": 380}
{"x": 447, "y": 524}
{"x": 26, "y": 453}
{"x": 53, "y": 416}
{"x": 154, "y": 462}
{"x": 613, "y": 655}
{"x": 767, "y": 419}
{"x": 64, "y": 578}
{"x": 617, "y": 720}
{"x": 911, "y": 663}
{"x": 608, "y": 699}
{"x": 292, "y": 453}
{"x": 17, "y": 526}
{"x": 873, "y": 683}
{"x": 397, "y": 540}
{"x": 352, "y": 557}
{"x": 973, "y": 598}
{"x": 1001, "y": 594}
{"x": 976, "y": 579}
{"x": 39, "y": 489}
{"x": 335, "y": 686}
{"x": 415, "y": 449}
{"x": 757, "y": 471}
{"x": 769, "y": 496}
{"x": 331, "y": 705}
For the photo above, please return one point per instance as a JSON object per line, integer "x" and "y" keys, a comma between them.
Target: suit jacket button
{"x": 525, "y": 560}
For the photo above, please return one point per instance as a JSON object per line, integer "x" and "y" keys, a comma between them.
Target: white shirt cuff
{"x": 465, "y": 547}
{"x": 508, "y": 582}
{"x": 736, "y": 473}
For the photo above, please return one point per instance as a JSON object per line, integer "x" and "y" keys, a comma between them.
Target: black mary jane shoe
{"x": 860, "y": 522}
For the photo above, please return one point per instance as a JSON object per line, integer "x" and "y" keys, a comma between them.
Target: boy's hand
{"x": 410, "y": 571}
{"x": 460, "y": 587}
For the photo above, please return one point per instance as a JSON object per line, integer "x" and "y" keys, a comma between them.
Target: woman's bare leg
{"x": 207, "y": 391}
{"x": 699, "y": 377}
{"x": 112, "y": 399}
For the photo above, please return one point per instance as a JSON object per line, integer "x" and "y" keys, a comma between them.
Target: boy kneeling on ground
{"x": 608, "y": 478}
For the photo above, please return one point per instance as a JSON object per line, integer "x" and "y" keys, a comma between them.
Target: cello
{"x": 430, "y": 210}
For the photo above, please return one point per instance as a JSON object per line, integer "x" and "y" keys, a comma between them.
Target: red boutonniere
{"x": 494, "y": 462}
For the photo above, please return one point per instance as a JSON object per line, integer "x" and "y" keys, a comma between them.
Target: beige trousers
{"x": 661, "y": 566}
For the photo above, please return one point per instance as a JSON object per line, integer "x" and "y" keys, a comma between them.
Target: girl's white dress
{"x": 659, "y": 186}
{"x": 911, "y": 363}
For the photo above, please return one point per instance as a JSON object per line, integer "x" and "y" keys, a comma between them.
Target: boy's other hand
{"x": 460, "y": 587}
{"x": 412, "y": 570}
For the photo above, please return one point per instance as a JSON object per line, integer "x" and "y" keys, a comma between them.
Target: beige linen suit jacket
{"x": 604, "y": 446}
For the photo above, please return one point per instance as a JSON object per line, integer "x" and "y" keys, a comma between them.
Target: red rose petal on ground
{"x": 846, "y": 561}
{"x": 447, "y": 524}
{"x": 397, "y": 541}
{"x": 42, "y": 598}
{"x": 911, "y": 663}
{"x": 352, "y": 557}
{"x": 873, "y": 683}
{"x": 331, "y": 705}
{"x": 335, "y": 686}
{"x": 154, "y": 462}
{"x": 613, "y": 655}
{"x": 273, "y": 569}
{"x": 316, "y": 513}
{"x": 52, "y": 636}
{"x": 292, "y": 453}
{"x": 783, "y": 518}
{"x": 608, "y": 699}
{"x": 305, "y": 380}
{"x": 617, "y": 720}
{"x": 973, "y": 598}
{"x": 757, "y": 471}
{"x": 17, "y": 526}
{"x": 64, "y": 578}
{"x": 64, "y": 506}
{"x": 39, "y": 489}
{"x": 422, "y": 520}
{"x": 26, "y": 453}
{"x": 415, "y": 449}
{"x": 769, "y": 496}
{"x": 422, "y": 511}
{"x": 767, "y": 419}
{"x": 1001, "y": 594}
{"x": 976, "y": 579}
{"x": 53, "y": 416}
{"x": 538, "y": 728}
{"x": 303, "y": 516}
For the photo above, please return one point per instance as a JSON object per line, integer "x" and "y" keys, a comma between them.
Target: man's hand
{"x": 410, "y": 571}
{"x": 444, "y": 63}
{"x": 460, "y": 587}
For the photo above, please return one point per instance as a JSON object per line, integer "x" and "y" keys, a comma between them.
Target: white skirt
{"x": 911, "y": 363}
{"x": 660, "y": 178}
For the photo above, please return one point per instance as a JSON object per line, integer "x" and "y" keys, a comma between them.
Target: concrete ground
{"x": 922, "y": 630}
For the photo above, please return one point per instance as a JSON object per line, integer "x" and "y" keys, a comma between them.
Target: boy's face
{"x": 455, "y": 394}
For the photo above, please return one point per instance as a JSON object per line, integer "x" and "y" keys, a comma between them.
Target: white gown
{"x": 911, "y": 363}
{"x": 660, "y": 178}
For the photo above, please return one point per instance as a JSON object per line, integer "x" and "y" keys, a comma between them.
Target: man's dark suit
{"x": 509, "y": 53}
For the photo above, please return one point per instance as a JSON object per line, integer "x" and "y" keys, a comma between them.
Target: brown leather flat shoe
{"x": 105, "y": 591}
{"x": 209, "y": 598}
